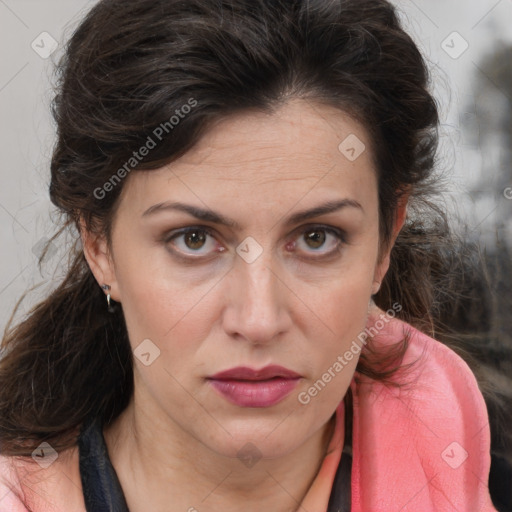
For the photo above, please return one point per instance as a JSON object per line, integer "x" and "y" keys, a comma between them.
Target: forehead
{"x": 302, "y": 149}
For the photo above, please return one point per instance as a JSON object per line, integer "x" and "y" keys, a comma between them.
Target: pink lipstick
{"x": 246, "y": 387}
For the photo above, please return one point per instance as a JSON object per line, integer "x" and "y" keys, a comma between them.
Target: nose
{"x": 257, "y": 301}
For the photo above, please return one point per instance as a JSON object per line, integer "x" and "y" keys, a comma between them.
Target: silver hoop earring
{"x": 107, "y": 288}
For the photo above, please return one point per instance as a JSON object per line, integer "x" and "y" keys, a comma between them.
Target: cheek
{"x": 165, "y": 311}
{"x": 342, "y": 301}
{"x": 344, "y": 313}
{"x": 156, "y": 303}
{"x": 341, "y": 311}
{"x": 154, "y": 287}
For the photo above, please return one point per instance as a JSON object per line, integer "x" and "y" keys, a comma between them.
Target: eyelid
{"x": 339, "y": 233}
{"x": 175, "y": 233}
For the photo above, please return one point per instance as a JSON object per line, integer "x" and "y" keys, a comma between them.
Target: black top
{"x": 101, "y": 487}
{"x": 103, "y": 493}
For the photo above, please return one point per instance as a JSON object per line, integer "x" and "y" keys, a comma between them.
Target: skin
{"x": 175, "y": 446}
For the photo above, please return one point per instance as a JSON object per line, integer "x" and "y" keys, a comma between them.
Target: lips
{"x": 246, "y": 373}
{"x": 247, "y": 387}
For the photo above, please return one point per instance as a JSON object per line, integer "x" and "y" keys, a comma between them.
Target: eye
{"x": 193, "y": 240}
{"x": 200, "y": 241}
{"x": 316, "y": 237}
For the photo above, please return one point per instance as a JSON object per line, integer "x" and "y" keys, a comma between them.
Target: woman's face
{"x": 269, "y": 289}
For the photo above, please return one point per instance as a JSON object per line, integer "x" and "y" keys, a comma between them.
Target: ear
{"x": 384, "y": 260}
{"x": 99, "y": 259}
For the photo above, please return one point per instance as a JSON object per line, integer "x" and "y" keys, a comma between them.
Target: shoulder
{"x": 10, "y": 488}
{"x": 53, "y": 485}
{"x": 430, "y": 432}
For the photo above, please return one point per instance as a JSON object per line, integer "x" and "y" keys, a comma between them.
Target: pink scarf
{"x": 424, "y": 447}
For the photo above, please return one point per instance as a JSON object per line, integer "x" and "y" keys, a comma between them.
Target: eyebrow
{"x": 208, "y": 215}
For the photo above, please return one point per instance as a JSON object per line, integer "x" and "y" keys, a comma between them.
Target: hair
{"x": 129, "y": 67}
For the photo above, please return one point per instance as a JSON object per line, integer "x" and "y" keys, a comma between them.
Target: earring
{"x": 107, "y": 288}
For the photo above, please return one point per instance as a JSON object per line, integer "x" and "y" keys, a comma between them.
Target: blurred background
{"x": 468, "y": 45}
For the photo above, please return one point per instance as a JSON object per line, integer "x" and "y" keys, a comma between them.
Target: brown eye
{"x": 190, "y": 241}
{"x": 194, "y": 239}
{"x": 315, "y": 238}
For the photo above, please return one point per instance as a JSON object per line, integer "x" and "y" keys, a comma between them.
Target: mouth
{"x": 247, "y": 387}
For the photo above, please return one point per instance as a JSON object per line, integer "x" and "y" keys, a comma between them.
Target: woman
{"x": 247, "y": 180}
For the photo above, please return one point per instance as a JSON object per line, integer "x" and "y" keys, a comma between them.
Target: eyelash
{"x": 337, "y": 233}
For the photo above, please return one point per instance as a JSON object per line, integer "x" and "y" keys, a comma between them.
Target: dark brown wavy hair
{"x": 126, "y": 70}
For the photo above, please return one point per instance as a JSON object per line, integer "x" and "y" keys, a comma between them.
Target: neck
{"x": 162, "y": 467}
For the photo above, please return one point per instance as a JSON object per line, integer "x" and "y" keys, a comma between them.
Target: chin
{"x": 254, "y": 440}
